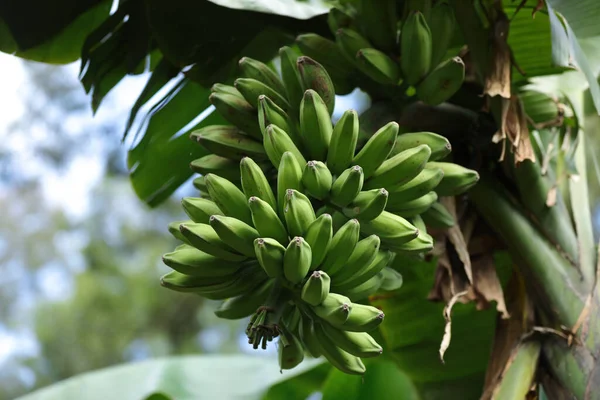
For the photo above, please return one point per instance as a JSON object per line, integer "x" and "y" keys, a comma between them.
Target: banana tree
{"x": 443, "y": 235}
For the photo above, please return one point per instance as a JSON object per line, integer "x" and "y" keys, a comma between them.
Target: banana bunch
{"x": 296, "y": 222}
{"x": 369, "y": 44}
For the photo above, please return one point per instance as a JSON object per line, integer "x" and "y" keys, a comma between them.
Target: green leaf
{"x": 301, "y": 386}
{"x": 582, "y": 15}
{"x": 181, "y": 378}
{"x": 290, "y": 8}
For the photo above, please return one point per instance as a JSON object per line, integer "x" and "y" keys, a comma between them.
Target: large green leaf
{"x": 181, "y": 378}
{"x": 582, "y": 15}
{"x": 300, "y": 9}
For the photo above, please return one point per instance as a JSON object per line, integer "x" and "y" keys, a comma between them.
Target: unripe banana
{"x": 308, "y": 338}
{"x": 380, "y": 23}
{"x": 334, "y": 309}
{"x": 364, "y": 289}
{"x": 291, "y": 79}
{"x": 391, "y": 279}
{"x": 292, "y": 354}
{"x": 457, "y": 179}
{"x": 246, "y": 304}
{"x": 350, "y": 42}
{"x": 339, "y": 358}
{"x": 337, "y": 19}
{"x": 255, "y": 183}
{"x": 326, "y": 52}
{"x": 200, "y": 184}
{"x": 228, "y": 198}
{"x": 319, "y": 235}
{"x": 419, "y": 186}
{"x": 377, "y": 149}
{"x": 437, "y": 216}
{"x": 343, "y": 243}
{"x": 363, "y": 318}
{"x": 296, "y": 260}
{"x": 174, "y": 230}
{"x": 423, "y": 243}
{"x": 251, "y": 89}
{"x": 191, "y": 261}
{"x": 228, "y": 141}
{"x": 251, "y": 68}
{"x": 298, "y": 212}
{"x": 270, "y": 113}
{"x": 270, "y": 254}
{"x": 392, "y": 229}
{"x": 315, "y": 77}
{"x": 343, "y": 142}
{"x": 317, "y": 179}
{"x": 200, "y": 209}
{"x": 400, "y": 169}
{"x": 266, "y": 221}
{"x": 443, "y": 82}
{"x": 367, "y": 205}
{"x": 315, "y": 125}
{"x": 235, "y": 233}
{"x": 237, "y": 111}
{"x": 277, "y": 142}
{"x": 418, "y": 222}
{"x": 347, "y": 186}
{"x": 439, "y": 145}
{"x": 204, "y": 238}
{"x": 289, "y": 176}
{"x": 359, "y": 344}
{"x": 378, "y": 66}
{"x": 316, "y": 288}
{"x": 382, "y": 259}
{"x": 363, "y": 255}
{"x": 441, "y": 24}
{"x": 414, "y": 207}
{"x": 227, "y": 89}
{"x": 415, "y": 48}
{"x": 214, "y": 164}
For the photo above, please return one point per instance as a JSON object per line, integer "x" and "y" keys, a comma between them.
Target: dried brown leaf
{"x": 551, "y": 196}
{"x": 448, "y": 328}
{"x": 457, "y": 239}
{"x": 487, "y": 285}
{"x": 498, "y": 78}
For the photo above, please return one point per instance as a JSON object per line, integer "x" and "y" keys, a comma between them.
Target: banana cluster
{"x": 296, "y": 222}
{"x": 368, "y": 43}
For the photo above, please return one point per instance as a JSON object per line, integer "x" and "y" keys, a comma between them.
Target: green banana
{"x": 270, "y": 254}
{"x": 255, "y": 183}
{"x": 277, "y": 142}
{"x": 270, "y": 113}
{"x": 414, "y": 207}
{"x": 364, "y": 254}
{"x": 298, "y": 213}
{"x": 289, "y": 176}
{"x": 364, "y": 289}
{"x": 418, "y": 222}
{"x": 252, "y": 88}
{"x": 367, "y": 205}
{"x": 350, "y": 42}
{"x": 315, "y": 77}
{"x": 200, "y": 184}
{"x": 334, "y": 309}
{"x": 235, "y": 233}
{"x": 246, "y": 304}
{"x": 316, "y": 288}
{"x": 399, "y": 169}
{"x": 343, "y": 243}
{"x": 437, "y": 216}
{"x": 291, "y": 354}
{"x": 228, "y": 198}
{"x": 359, "y": 344}
{"x": 291, "y": 78}
{"x": 415, "y": 48}
{"x": 251, "y": 68}
{"x": 191, "y": 261}
{"x": 342, "y": 144}
{"x": 439, "y": 145}
{"x": 423, "y": 243}
{"x": 266, "y": 221}
{"x": 337, "y": 19}
{"x": 379, "y": 23}
{"x": 174, "y": 230}
{"x": 214, "y": 164}
{"x": 443, "y": 82}
{"x": 238, "y": 111}
{"x": 308, "y": 338}
{"x": 377, "y": 149}
{"x": 204, "y": 238}
{"x": 441, "y": 24}
{"x": 419, "y": 186}
{"x": 317, "y": 179}
{"x": 378, "y": 66}
{"x": 296, "y": 260}
{"x": 457, "y": 179}
{"x": 392, "y": 229}
{"x": 347, "y": 186}
{"x": 226, "y": 89}
{"x": 391, "y": 279}
{"x": 363, "y": 318}
{"x": 199, "y": 209}
{"x": 326, "y": 52}
{"x": 315, "y": 125}
{"x": 339, "y": 358}
{"x": 228, "y": 141}
{"x": 319, "y": 235}
{"x": 382, "y": 259}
